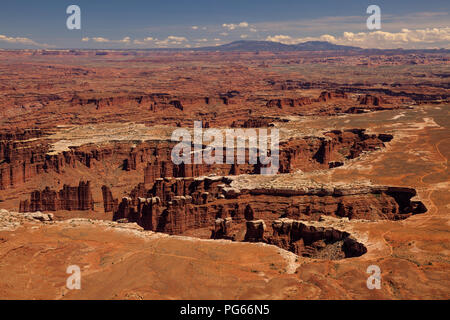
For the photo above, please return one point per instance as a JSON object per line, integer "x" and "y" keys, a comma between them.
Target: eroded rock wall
{"x": 189, "y": 203}
{"x": 68, "y": 198}
{"x": 313, "y": 241}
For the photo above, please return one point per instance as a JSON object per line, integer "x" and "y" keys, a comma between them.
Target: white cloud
{"x": 22, "y": 40}
{"x": 232, "y": 26}
{"x": 290, "y": 40}
{"x": 125, "y": 40}
{"x": 175, "y": 38}
{"x": 171, "y": 40}
{"x": 143, "y": 41}
{"x": 406, "y": 38}
{"x": 340, "y": 24}
{"x": 202, "y": 40}
{"x": 194, "y": 27}
{"x": 244, "y": 36}
{"x": 100, "y": 39}
{"x": 283, "y": 39}
{"x": 224, "y": 34}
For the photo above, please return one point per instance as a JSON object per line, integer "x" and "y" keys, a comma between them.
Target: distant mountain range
{"x": 251, "y": 45}
{"x": 270, "y": 46}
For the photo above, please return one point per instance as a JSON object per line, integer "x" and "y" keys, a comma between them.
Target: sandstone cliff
{"x": 314, "y": 242}
{"x": 176, "y": 205}
{"x": 68, "y": 198}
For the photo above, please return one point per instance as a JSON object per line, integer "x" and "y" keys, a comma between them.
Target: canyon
{"x": 86, "y": 175}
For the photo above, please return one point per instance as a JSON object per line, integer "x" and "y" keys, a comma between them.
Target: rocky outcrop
{"x": 255, "y": 231}
{"x": 177, "y": 205}
{"x": 162, "y": 168}
{"x": 372, "y": 100}
{"x": 109, "y": 203}
{"x": 175, "y": 217}
{"x": 313, "y": 241}
{"x": 68, "y": 198}
{"x": 22, "y": 160}
{"x": 10, "y": 221}
{"x": 19, "y": 159}
{"x": 151, "y": 101}
{"x": 287, "y": 102}
{"x": 326, "y": 96}
{"x": 359, "y": 202}
{"x": 155, "y": 101}
{"x": 336, "y": 146}
{"x": 252, "y": 123}
{"x": 306, "y": 154}
{"x": 222, "y": 229}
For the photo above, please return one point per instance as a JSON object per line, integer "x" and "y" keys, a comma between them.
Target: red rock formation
{"x": 110, "y": 204}
{"x": 162, "y": 168}
{"x": 68, "y": 198}
{"x": 312, "y": 241}
{"x": 150, "y": 101}
{"x": 252, "y": 123}
{"x": 150, "y": 212}
{"x": 222, "y": 228}
{"x": 255, "y": 231}
{"x": 327, "y": 96}
{"x": 287, "y": 102}
{"x": 22, "y": 160}
{"x": 190, "y": 203}
{"x": 19, "y": 160}
{"x": 372, "y": 100}
{"x": 317, "y": 152}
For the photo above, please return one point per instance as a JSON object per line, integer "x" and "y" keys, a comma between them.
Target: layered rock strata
{"x": 176, "y": 205}
{"x": 23, "y": 158}
{"x": 68, "y": 198}
{"x": 306, "y": 240}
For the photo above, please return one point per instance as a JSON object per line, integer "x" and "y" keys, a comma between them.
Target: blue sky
{"x": 182, "y": 23}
